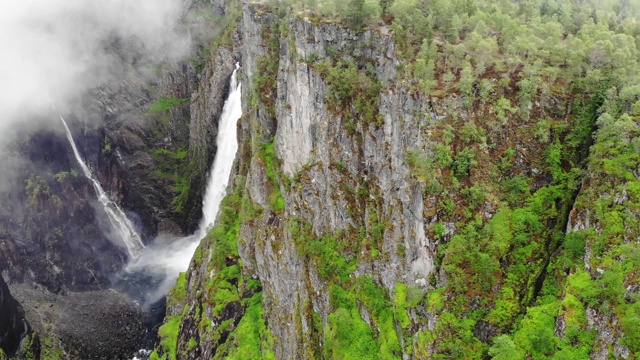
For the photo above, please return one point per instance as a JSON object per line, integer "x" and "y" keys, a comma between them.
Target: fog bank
{"x": 54, "y": 50}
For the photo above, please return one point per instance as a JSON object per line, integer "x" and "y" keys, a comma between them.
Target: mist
{"x": 55, "y": 50}
{"x": 154, "y": 273}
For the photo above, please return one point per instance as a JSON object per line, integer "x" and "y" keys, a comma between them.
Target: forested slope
{"x": 425, "y": 179}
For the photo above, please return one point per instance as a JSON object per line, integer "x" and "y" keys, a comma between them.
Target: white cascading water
{"x": 227, "y": 147}
{"x": 119, "y": 221}
{"x": 168, "y": 257}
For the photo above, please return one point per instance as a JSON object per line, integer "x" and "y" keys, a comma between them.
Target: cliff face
{"x": 351, "y": 186}
{"x": 369, "y": 218}
{"x": 331, "y": 178}
{"x": 386, "y": 201}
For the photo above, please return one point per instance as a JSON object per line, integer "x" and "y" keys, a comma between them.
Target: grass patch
{"x": 164, "y": 104}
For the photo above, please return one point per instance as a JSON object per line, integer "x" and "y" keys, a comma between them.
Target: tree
{"x": 481, "y": 28}
{"x": 372, "y": 12}
{"x": 453, "y": 31}
{"x": 425, "y": 66}
{"x": 355, "y": 15}
{"x": 463, "y": 161}
{"x": 409, "y": 16}
{"x": 425, "y": 74}
{"x": 484, "y": 90}
{"x": 465, "y": 84}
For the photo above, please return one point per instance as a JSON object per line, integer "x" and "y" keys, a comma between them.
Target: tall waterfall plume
{"x": 227, "y": 147}
{"x": 166, "y": 258}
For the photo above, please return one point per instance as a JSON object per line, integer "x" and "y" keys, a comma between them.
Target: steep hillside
{"x": 446, "y": 179}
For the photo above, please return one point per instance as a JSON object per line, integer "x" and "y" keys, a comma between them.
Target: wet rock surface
{"x": 13, "y": 327}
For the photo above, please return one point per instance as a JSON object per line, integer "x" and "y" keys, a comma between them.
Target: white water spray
{"x": 172, "y": 257}
{"x": 227, "y": 147}
{"x": 119, "y": 221}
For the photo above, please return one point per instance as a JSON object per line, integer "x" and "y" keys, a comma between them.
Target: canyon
{"x": 397, "y": 192}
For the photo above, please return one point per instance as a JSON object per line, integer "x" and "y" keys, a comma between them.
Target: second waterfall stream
{"x": 120, "y": 224}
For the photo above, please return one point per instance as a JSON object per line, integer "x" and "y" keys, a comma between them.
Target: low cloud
{"x": 54, "y": 50}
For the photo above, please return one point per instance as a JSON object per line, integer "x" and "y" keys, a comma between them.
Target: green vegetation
{"x": 250, "y": 339}
{"x": 245, "y": 330}
{"x": 168, "y": 334}
{"x": 178, "y": 294}
{"x": 246, "y": 334}
{"x": 172, "y": 165}
{"x": 326, "y": 251}
{"x": 49, "y": 348}
{"x": 219, "y": 29}
{"x": 348, "y": 336}
{"x": 106, "y": 147}
{"x": 164, "y": 104}
{"x": 39, "y": 193}
{"x": 534, "y": 72}
{"x": 35, "y": 347}
{"x": 543, "y": 52}
{"x": 265, "y": 78}
{"x": 174, "y": 169}
{"x": 61, "y": 176}
{"x": 267, "y": 154}
{"x": 354, "y": 94}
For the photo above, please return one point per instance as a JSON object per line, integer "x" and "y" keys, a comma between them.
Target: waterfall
{"x": 119, "y": 221}
{"x": 161, "y": 262}
{"x": 227, "y": 147}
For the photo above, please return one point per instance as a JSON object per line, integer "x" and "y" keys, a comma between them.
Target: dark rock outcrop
{"x": 13, "y": 327}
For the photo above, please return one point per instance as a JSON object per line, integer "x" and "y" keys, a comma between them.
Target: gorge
{"x": 400, "y": 180}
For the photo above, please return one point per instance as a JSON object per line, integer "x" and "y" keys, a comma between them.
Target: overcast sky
{"x": 55, "y": 48}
